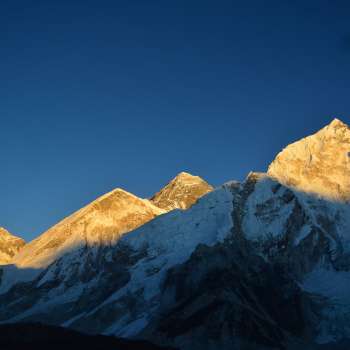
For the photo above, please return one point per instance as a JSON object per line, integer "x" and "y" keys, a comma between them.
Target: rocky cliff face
{"x": 181, "y": 192}
{"x": 9, "y": 246}
{"x": 263, "y": 264}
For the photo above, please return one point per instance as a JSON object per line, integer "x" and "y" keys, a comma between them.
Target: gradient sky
{"x": 102, "y": 94}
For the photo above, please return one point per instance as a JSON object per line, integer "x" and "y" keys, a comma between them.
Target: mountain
{"x": 9, "y": 246}
{"x": 318, "y": 164}
{"x": 181, "y": 192}
{"x": 118, "y": 282}
{"x": 262, "y": 264}
{"x": 100, "y": 223}
{"x": 103, "y": 221}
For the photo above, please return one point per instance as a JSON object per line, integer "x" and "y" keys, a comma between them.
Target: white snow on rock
{"x": 305, "y": 194}
{"x": 170, "y": 239}
{"x": 269, "y": 222}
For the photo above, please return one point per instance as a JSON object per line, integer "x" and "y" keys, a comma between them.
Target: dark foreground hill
{"x": 25, "y": 336}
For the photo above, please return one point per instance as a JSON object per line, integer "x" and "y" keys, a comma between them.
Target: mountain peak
{"x": 187, "y": 177}
{"x": 181, "y": 192}
{"x": 117, "y": 193}
{"x": 337, "y": 123}
{"x": 336, "y": 128}
{"x": 3, "y": 231}
{"x": 10, "y": 245}
{"x": 184, "y": 175}
{"x": 99, "y": 223}
{"x": 318, "y": 164}
{"x": 5, "y": 234}
{"x": 104, "y": 220}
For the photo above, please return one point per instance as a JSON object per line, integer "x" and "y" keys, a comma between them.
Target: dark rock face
{"x": 112, "y": 275}
{"x": 223, "y": 297}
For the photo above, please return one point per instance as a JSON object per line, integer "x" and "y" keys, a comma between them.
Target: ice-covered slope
{"x": 115, "y": 289}
{"x": 9, "y": 246}
{"x": 181, "y": 192}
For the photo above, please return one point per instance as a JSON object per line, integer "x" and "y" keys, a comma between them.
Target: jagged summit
{"x": 181, "y": 192}
{"x": 10, "y": 245}
{"x": 318, "y": 164}
{"x": 337, "y": 123}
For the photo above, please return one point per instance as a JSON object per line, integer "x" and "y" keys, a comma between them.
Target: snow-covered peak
{"x": 103, "y": 221}
{"x": 318, "y": 164}
{"x": 184, "y": 176}
{"x": 336, "y": 124}
{"x": 181, "y": 192}
{"x": 10, "y": 245}
{"x": 4, "y": 233}
{"x": 99, "y": 223}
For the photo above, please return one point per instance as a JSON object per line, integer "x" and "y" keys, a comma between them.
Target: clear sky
{"x": 102, "y": 94}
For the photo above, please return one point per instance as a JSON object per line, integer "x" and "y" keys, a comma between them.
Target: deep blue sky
{"x": 102, "y": 94}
